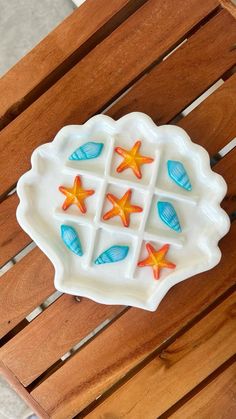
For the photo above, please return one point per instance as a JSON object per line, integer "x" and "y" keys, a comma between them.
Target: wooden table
{"x": 116, "y": 57}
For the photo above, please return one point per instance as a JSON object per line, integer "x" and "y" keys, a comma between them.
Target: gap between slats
{"x": 99, "y": 64}
{"x": 209, "y": 274}
{"x": 66, "y": 401}
{"x": 191, "y": 345}
{"x": 142, "y": 75}
{"x": 22, "y": 392}
{"x": 115, "y": 314}
{"x": 200, "y": 386}
{"x": 218, "y": 160}
{"x": 9, "y": 205}
{"x": 224, "y": 167}
{"x": 230, "y": 291}
{"x": 103, "y": 19}
{"x": 47, "y": 263}
{"x": 200, "y": 51}
{"x": 149, "y": 358}
{"x": 197, "y": 390}
{"x": 213, "y": 305}
{"x": 108, "y": 25}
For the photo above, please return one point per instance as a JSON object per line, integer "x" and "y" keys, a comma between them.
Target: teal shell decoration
{"x": 168, "y": 215}
{"x": 178, "y": 173}
{"x": 87, "y": 151}
{"x": 71, "y": 239}
{"x": 113, "y": 254}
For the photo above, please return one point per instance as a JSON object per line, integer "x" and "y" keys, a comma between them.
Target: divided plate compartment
{"x": 193, "y": 249}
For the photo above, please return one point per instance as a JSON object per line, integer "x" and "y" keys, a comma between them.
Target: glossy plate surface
{"x": 193, "y": 248}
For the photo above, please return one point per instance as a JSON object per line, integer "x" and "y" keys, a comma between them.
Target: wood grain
{"x": 230, "y": 6}
{"x": 61, "y": 326}
{"x": 132, "y": 338}
{"x": 8, "y": 311}
{"x": 58, "y": 52}
{"x": 97, "y": 79}
{"x": 23, "y": 393}
{"x": 177, "y": 369}
{"x": 23, "y": 288}
{"x": 12, "y": 239}
{"x": 226, "y": 168}
{"x": 135, "y": 334}
{"x": 217, "y": 116}
{"x": 217, "y": 398}
{"x": 23, "y": 323}
{"x": 203, "y": 130}
{"x": 177, "y": 81}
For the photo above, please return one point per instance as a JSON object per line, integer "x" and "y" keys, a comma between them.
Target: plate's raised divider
{"x": 127, "y": 183}
{"x": 151, "y": 187}
{"x": 142, "y": 234}
{"x": 90, "y": 249}
{"x": 193, "y": 199}
{"x": 156, "y": 167}
{"x": 73, "y": 171}
{"x": 137, "y": 250}
{"x": 119, "y": 229}
{"x": 107, "y": 169}
{"x": 139, "y": 235}
{"x": 65, "y": 218}
{"x": 102, "y": 197}
{"x": 162, "y": 238}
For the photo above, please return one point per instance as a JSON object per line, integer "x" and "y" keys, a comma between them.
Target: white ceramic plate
{"x": 194, "y": 249}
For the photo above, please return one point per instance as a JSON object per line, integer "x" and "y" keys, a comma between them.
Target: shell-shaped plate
{"x": 168, "y": 215}
{"x": 113, "y": 254}
{"x": 87, "y": 151}
{"x": 178, "y": 173}
{"x": 71, "y": 239}
{"x": 122, "y": 283}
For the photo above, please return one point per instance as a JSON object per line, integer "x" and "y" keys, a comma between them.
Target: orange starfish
{"x": 132, "y": 159}
{"x": 75, "y": 195}
{"x": 156, "y": 259}
{"x": 121, "y": 207}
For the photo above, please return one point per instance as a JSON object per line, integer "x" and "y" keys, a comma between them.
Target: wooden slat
{"x": 82, "y": 367}
{"x": 176, "y": 82}
{"x": 230, "y": 6}
{"x": 22, "y": 392}
{"x": 60, "y": 50}
{"x": 17, "y": 271}
{"x": 23, "y": 288}
{"x": 54, "y": 332}
{"x": 217, "y": 116}
{"x": 177, "y": 369}
{"x": 12, "y": 239}
{"x": 226, "y": 167}
{"x": 97, "y": 78}
{"x": 217, "y": 399}
{"x": 15, "y": 306}
{"x": 220, "y": 100}
{"x": 23, "y": 323}
{"x": 131, "y": 338}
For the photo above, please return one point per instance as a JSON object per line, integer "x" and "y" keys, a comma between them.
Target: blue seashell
{"x": 168, "y": 214}
{"x": 71, "y": 239}
{"x": 113, "y": 254}
{"x": 87, "y": 151}
{"x": 179, "y": 175}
